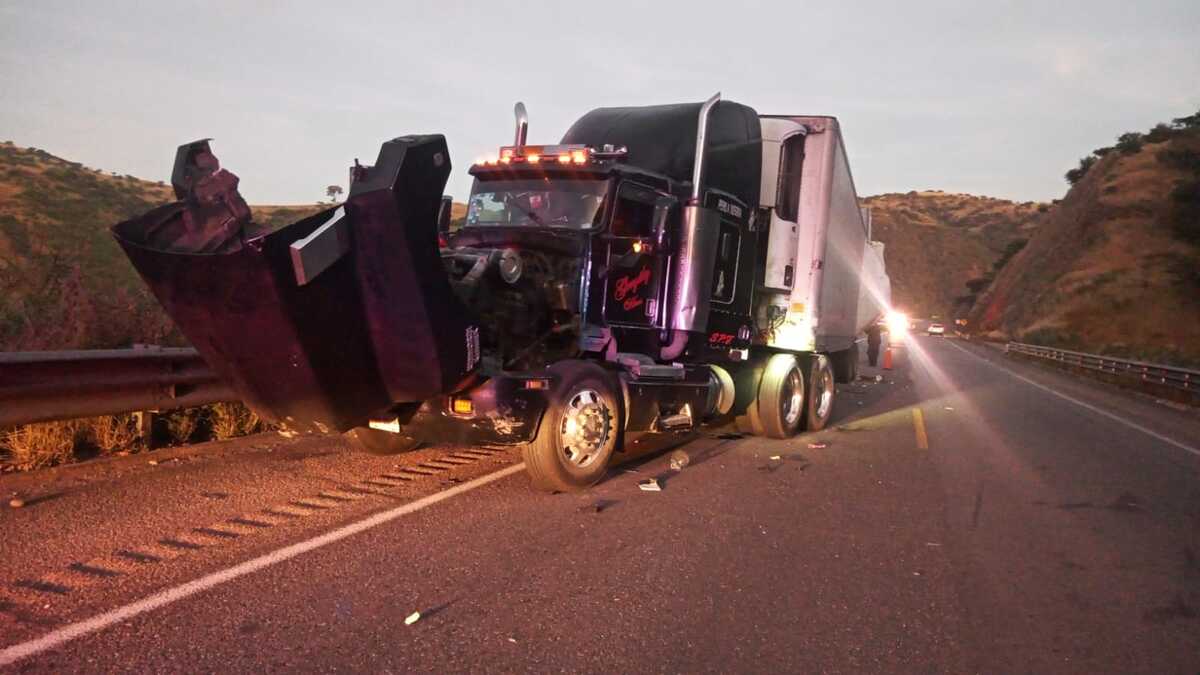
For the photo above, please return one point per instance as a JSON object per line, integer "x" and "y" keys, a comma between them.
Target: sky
{"x": 995, "y": 98}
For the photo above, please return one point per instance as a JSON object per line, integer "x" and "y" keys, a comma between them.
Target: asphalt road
{"x": 967, "y": 514}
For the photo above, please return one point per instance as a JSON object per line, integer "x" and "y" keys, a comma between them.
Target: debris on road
{"x": 16, "y": 502}
{"x": 597, "y": 506}
{"x": 650, "y": 485}
{"x": 776, "y": 457}
{"x": 412, "y": 618}
{"x": 679, "y": 459}
{"x": 949, "y": 408}
{"x": 153, "y": 462}
{"x": 878, "y": 378}
{"x": 818, "y": 445}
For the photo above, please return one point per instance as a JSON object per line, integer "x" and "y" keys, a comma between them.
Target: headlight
{"x": 510, "y": 265}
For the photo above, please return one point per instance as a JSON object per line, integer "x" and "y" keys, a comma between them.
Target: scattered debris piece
{"x": 679, "y": 459}
{"x": 949, "y": 408}
{"x": 16, "y": 502}
{"x": 932, "y": 543}
{"x": 512, "y": 640}
{"x": 879, "y": 378}
{"x": 776, "y": 457}
{"x": 818, "y": 445}
{"x": 412, "y": 618}
{"x": 153, "y": 462}
{"x": 598, "y": 506}
{"x": 650, "y": 485}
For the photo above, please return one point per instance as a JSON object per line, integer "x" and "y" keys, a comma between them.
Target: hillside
{"x": 1116, "y": 266}
{"x": 64, "y": 282}
{"x": 936, "y": 242}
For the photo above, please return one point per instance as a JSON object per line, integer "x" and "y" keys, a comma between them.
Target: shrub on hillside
{"x": 1075, "y": 175}
{"x": 1130, "y": 143}
{"x": 1190, "y": 122}
{"x": 1160, "y": 132}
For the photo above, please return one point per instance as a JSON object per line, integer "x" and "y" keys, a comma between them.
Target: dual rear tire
{"x": 787, "y": 399}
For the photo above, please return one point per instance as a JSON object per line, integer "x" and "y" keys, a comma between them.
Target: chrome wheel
{"x": 824, "y": 393}
{"x": 585, "y": 428}
{"x": 792, "y": 397}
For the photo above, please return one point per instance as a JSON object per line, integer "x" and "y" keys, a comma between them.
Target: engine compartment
{"x": 526, "y": 298}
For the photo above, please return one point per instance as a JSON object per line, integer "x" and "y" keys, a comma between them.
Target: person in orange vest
{"x": 874, "y": 339}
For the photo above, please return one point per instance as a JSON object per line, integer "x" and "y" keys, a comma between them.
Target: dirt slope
{"x": 937, "y": 241}
{"x": 64, "y": 283}
{"x": 1108, "y": 272}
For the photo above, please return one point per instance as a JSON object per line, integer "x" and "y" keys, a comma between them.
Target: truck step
{"x": 642, "y": 367}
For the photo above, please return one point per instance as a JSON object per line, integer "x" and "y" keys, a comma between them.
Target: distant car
{"x": 936, "y": 329}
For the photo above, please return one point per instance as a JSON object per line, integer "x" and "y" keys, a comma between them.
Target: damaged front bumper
{"x": 503, "y": 410}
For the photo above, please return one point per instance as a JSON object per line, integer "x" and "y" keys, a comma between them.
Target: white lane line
{"x": 73, "y": 631}
{"x": 1098, "y": 411}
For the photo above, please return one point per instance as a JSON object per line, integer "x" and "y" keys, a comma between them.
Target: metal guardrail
{"x": 46, "y": 386}
{"x": 1183, "y": 379}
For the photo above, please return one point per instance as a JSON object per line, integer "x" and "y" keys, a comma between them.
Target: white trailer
{"x": 824, "y": 281}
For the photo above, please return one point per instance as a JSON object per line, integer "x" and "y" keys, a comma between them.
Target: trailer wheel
{"x": 818, "y": 405}
{"x": 780, "y": 402}
{"x": 377, "y": 442}
{"x": 578, "y": 432}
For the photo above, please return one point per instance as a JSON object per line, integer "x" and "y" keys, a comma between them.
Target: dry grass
{"x": 230, "y": 420}
{"x": 113, "y": 434}
{"x": 38, "y": 445}
{"x": 35, "y": 446}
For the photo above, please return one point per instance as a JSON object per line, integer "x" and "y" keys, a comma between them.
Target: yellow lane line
{"x": 919, "y": 426}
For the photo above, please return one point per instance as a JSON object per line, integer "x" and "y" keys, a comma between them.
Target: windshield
{"x": 536, "y": 202}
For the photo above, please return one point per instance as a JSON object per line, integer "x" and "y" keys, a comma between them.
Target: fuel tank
{"x": 329, "y": 321}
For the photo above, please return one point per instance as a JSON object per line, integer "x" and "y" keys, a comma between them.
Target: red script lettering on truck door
{"x": 626, "y": 288}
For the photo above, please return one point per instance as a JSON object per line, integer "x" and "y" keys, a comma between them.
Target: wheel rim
{"x": 585, "y": 428}
{"x": 792, "y": 396}
{"x": 824, "y": 394}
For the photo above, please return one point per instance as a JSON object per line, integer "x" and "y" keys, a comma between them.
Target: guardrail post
{"x": 144, "y": 421}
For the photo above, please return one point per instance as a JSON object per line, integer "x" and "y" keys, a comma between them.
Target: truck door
{"x": 633, "y": 293}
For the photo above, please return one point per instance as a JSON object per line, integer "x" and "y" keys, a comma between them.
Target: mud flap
{"x": 329, "y": 321}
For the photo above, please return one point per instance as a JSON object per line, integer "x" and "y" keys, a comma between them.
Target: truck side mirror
{"x": 661, "y": 224}
{"x": 443, "y": 218}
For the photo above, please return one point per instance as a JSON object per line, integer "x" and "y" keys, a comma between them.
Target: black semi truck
{"x": 657, "y": 268}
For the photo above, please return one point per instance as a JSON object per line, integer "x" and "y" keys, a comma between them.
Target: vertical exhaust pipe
{"x": 701, "y": 137}
{"x": 522, "y": 124}
{"x": 696, "y": 254}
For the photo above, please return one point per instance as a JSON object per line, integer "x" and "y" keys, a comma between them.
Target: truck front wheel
{"x": 579, "y": 431}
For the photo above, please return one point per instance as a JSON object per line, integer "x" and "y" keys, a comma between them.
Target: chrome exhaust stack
{"x": 522, "y": 124}
{"x": 701, "y": 137}
{"x": 693, "y": 263}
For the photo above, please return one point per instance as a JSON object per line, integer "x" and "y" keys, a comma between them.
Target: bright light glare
{"x": 897, "y": 323}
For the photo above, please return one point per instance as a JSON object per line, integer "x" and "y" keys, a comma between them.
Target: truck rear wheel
{"x": 818, "y": 405}
{"x": 779, "y": 406}
{"x": 377, "y": 442}
{"x": 579, "y": 431}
